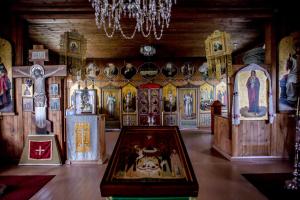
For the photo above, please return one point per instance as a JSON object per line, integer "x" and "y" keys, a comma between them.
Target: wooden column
{"x": 270, "y": 60}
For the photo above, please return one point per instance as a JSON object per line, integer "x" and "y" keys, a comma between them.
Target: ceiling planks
{"x": 189, "y": 27}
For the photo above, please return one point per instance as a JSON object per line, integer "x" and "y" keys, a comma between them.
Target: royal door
{"x": 149, "y": 105}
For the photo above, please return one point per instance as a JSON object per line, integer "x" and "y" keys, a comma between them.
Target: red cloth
{"x": 23, "y": 187}
{"x": 40, "y": 150}
{"x": 150, "y": 85}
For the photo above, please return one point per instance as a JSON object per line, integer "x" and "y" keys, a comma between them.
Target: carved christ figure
{"x": 37, "y": 73}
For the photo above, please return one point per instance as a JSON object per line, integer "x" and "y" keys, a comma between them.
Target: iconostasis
{"x": 160, "y": 92}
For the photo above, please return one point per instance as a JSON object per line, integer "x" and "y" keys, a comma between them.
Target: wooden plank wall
{"x": 253, "y": 138}
{"x": 222, "y": 134}
{"x": 256, "y": 138}
{"x": 285, "y": 126}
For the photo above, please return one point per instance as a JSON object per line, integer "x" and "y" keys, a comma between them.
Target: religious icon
{"x": 169, "y": 70}
{"x": 169, "y": 95}
{"x": 54, "y": 104}
{"x": 188, "y": 105}
{"x": 112, "y": 101}
{"x": 253, "y": 95}
{"x": 92, "y": 70}
{"x": 53, "y": 89}
{"x": 217, "y": 46}
{"x": 149, "y": 70}
{"x": 74, "y": 47}
{"x": 203, "y": 69}
{"x": 187, "y": 70}
{"x": 221, "y": 93}
{"x": 6, "y": 102}
{"x": 253, "y": 85}
{"x": 27, "y": 88}
{"x": 85, "y": 101}
{"x": 86, "y": 107}
{"x": 146, "y": 157}
{"x": 188, "y": 109}
{"x": 111, "y": 105}
{"x": 143, "y": 101}
{"x": 289, "y": 70}
{"x": 129, "y": 102}
{"x": 206, "y": 96}
{"x": 128, "y": 71}
{"x": 110, "y": 70}
{"x": 129, "y": 93}
{"x": 27, "y": 104}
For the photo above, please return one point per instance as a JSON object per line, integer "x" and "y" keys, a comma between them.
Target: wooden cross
{"x": 39, "y": 72}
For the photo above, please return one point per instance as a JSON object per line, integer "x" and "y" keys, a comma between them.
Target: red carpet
{"x": 23, "y": 187}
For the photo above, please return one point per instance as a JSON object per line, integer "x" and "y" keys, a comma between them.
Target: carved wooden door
{"x": 149, "y": 106}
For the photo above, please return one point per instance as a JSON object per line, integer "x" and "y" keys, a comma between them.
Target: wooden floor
{"x": 218, "y": 178}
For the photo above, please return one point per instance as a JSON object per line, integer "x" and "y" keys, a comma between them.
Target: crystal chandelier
{"x": 149, "y": 15}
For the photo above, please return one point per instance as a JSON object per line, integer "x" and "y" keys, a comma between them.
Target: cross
{"x": 40, "y": 150}
{"x": 39, "y": 72}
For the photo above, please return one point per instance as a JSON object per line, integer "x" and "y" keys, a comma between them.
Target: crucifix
{"x": 38, "y": 72}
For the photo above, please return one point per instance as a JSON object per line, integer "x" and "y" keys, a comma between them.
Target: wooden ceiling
{"x": 191, "y": 22}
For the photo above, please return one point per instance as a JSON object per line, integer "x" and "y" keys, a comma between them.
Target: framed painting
{"x": 85, "y": 101}
{"x": 111, "y": 106}
{"x": 27, "y": 88}
{"x": 129, "y": 96}
{"x": 74, "y": 46}
{"x": 217, "y": 44}
{"x": 6, "y": 96}
{"x": 187, "y": 70}
{"x": 289, "y": 84}
{"x": 169, "y": 70}
{"x": 187, "y": 103}
{"x": 110, "y": 70}
{"x": 206, "y": 96}
{"x": 54, "y": 104}
{"x": 54, "y": 89}
{"x": 92, "y": 71}
{"x": 27, "y": 104}
{"x": 221, "y": 93}
{"x": 253, "y": 95}
{"x": 146, "y": 161}
{"x": 148, "y": 70}
{"x": 170, "y": 98}
{"x": 128, "y": 71}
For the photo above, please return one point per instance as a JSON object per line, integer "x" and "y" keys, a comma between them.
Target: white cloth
{"x": 236, "y": 115}
{"x": 40, "y": 116}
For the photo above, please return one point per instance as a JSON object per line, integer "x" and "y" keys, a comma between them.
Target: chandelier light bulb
{"x": 149, "y": 16}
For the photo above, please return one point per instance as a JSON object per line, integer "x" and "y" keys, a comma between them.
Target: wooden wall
{"x": 222, "y": 134}
{"x": 15, "y": 126}
{"x": 252, "y": 138}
